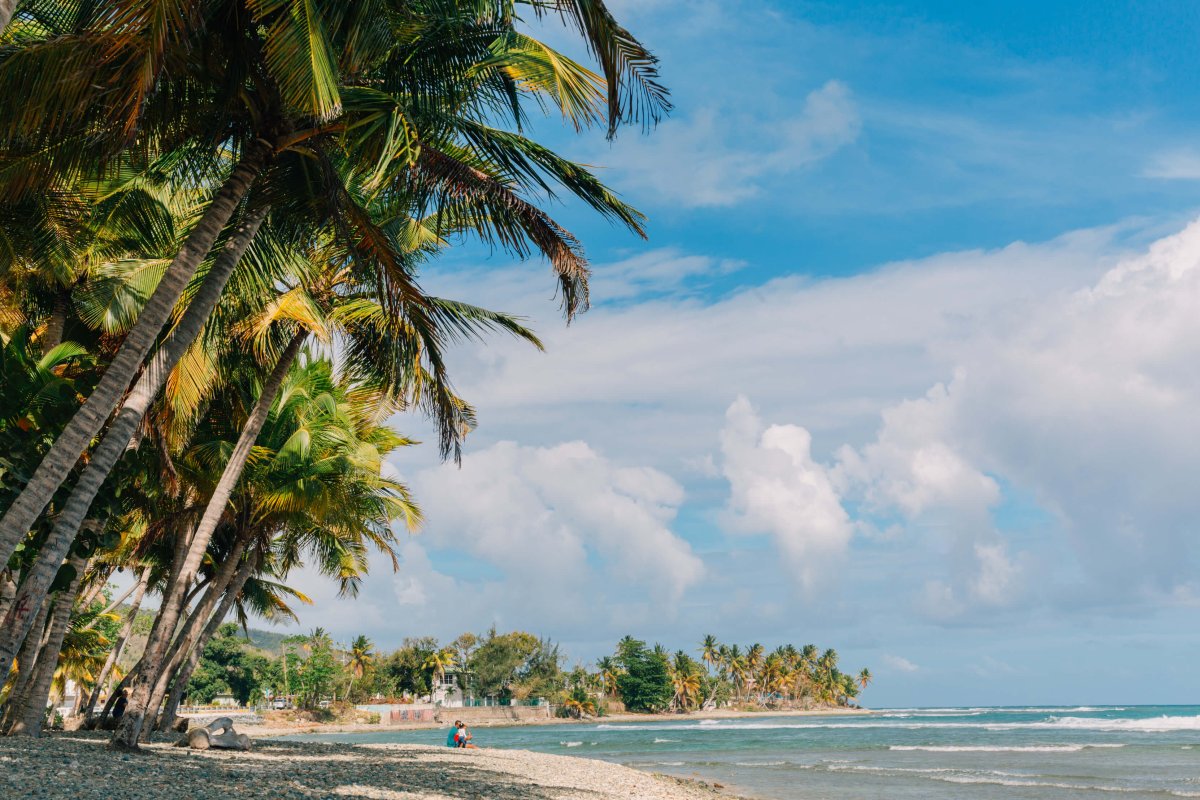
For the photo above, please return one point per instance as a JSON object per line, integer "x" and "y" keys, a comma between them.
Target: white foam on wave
{"x": 571, "y": 744}
{"x": 1151, "y": 725}
{"x": 1032, "y": 748}
{"x": 1144, "y": 725}
{"x": 664, "y": 741}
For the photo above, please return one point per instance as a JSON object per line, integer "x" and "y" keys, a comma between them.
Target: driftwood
{"x": 219, "y": 733}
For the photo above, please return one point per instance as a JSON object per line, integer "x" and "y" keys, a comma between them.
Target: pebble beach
{"x": 77, "y": 766}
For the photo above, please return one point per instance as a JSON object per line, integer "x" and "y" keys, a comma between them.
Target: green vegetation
{"x": 518, "y": 666}
{"x": 644, "y": 679}
{"x": 213, "y": 221}
{"x": 228, "y": 666}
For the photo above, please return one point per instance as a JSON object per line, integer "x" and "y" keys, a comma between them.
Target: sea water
{"x": 1057, "y": 753}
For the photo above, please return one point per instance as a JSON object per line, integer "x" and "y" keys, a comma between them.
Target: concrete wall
{"x": 406, "y": 714}
{"x": 493, "y": 715}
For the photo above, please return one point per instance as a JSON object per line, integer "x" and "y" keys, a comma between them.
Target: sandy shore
{"x": 79, "y": 767}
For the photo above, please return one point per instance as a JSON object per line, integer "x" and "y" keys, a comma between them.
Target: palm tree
{"x": 438, "y": 662}
{"x": 864, "y": 677}
{"x": 710, "y": 650}
{"x": 486, "y": 203}
{"x": 305, "y": 86}
{"x": 470, "y": 318}
{"x": 438, "y": 174}
{"x": 362, "y": 657}
{"x": 316, "y": 484}
{"x": 609, "y": 672}
{"x": 115, "y": 441}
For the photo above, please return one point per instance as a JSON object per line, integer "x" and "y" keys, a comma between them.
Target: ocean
{"x": 1056, "y": 753}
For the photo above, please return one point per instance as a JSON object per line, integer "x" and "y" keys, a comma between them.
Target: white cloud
{"x": 545, "y": 515}
{"x": 777, "y": 488}
{"x": 720, "y": 158}
{"x": 655, "y": 272}
{"x": 900, "y": 664}
{"x": 925, "y": 398}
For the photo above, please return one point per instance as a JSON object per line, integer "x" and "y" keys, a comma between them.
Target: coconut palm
{"x": 438, "y": 662}
{"x": 609, "y": 672}
{"x": 315, "y": 482}
{"x": 362, "y": 658}
{"x": 864, "y": 678}
{"x": 710, "y": 650}
{"x": 304, "y": 88}
{"x": 479, "y": 196}
{"x": 307, "y": 308}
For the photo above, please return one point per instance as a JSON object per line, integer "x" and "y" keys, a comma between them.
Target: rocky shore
{"x": 77, "y": 766}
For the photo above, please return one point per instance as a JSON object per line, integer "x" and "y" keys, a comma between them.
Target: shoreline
{"x": 78, "y": 765}
{"x": 268, "y": 730}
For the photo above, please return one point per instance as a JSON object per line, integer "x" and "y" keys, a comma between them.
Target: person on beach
{"x": 452, "y": 739}
{"x": 464, "y": 738}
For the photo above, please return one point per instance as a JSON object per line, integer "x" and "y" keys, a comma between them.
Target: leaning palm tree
{"x": 307, "y": 308}
{"x": 316, "y": 474}
{"x": 276, "y": 116}
{"x": 864, "y": 678}
{"x": 458, "y": 174}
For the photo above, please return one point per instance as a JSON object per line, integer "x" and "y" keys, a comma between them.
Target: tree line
{"x": 522, "y": 666}
{"x": 214, "y": 219}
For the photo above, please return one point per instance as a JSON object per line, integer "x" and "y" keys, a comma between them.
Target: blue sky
{"x": 908, "y": 366}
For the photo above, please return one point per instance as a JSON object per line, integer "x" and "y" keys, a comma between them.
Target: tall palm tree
{"x": 609, "y": 672}
{"x": 864, "y": 678}
{"x": 305, "y": 87}
{"x": 316, "y": 479}
{"x": 710, "y": 650}
{"x": 510, "y": 221}
{"x": 362, "y": 658}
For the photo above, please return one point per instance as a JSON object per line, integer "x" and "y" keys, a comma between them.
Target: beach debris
{"x": 219, "y": 734}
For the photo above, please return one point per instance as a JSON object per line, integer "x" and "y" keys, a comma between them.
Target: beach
{"x": 78, "y": 766}
{"x": 1066, "y": 752}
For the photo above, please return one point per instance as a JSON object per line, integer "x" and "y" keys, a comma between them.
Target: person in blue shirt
{"x": 452, "y": 738}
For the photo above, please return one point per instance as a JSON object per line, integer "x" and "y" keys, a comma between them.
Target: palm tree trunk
{"x": 94, "y": 591}
{"x": 6, "y": 12}
{"x": 130, "y": 729}
{"x": 109, "y": 608}
{"x": 115, "y": 653}
{"x": 32, "y": 711}
{"x": 122, "y": 429}
{"x": 186, "y": 639}
{"x": 8, "y": 593}
{"x": 184, "y": 670}
{"x": 53, "y": 335}
{"x": 25, "y": 662}
{"x": 88, "y": 420}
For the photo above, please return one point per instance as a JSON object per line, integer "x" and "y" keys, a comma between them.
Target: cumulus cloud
{"x": 716, "y": 158}
{"x": 900, "y": 664}
{"x": 544, "y": 515}
{"x": 777, "y": 488}
{"x": 964, "y": 436}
